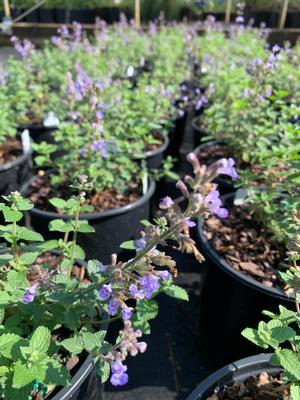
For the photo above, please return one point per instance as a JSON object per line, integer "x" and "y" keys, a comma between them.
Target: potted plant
{"x": 55, "y": 309}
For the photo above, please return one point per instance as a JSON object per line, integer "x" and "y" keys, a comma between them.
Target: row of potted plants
{"x": 251, "y": 116}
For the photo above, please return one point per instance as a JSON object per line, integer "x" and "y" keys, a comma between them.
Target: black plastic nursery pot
{"x": 154, "y": 158}
{"x": 176, "y": 136}
{"x": 112, "y": 227}
{"x": 198, "y": 132}
{"x": 15, "y": 173}
{"x": 85, "y": 385}
{"x": 236, "y": 372}
{"x": 224, "y": 185}
{"x": 39, "y": 133}
{"x": 230, "y": 302}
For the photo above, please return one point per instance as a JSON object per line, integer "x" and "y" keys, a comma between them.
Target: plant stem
{"x": 74, "y": 237}
{"x": 169, "y": 232}
{"x": 14, "y": 243}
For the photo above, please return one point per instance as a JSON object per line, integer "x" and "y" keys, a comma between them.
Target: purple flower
{"x": 200, "y": 103}
{"x": 100, "y": 145}
{"x": 99, "y": 115}
{"x": 140, "y": 244}
{"x": 100, "y": 85}
{"x": 105, "y": 292}
{"x": 268, "y": 92}
{"x": 272, "y": 58}
{"x": 164, "y": 275}
{"x": 82, "y": 152}
{"x": 246, "y": 92}
{"x": 228, "y": 168}
{"x": 214, "y": 204}
{"x": 136, "y": 293}
{"x": 113, "y": 307}
{"x": 276, "y": 48}
{"x": 150, "y": 285}
{"x": 187, "y": 223}
{"x": 127, "y": 313}
{"x": 119, "y": 376}
{"x": 239, "y": 19}
{"x": 74, "y": 115}
{"x": 29, "y": 295}
{"x": 24, "y": 49}
{"x": 166, "y": 202}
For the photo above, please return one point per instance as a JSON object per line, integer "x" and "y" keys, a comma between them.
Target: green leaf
{"x": 103, "y": 371}
{"x": 282, "y": 333}
{"x": 79, "y": 253}
{"x": 56, "y": 374}
{"x": 24, "y": 205}
{"x": 129, "y": 245}
{"x": 85, "y": 227}
{"x": 177, "y": 292}
{"x": 58, "y": 203}
{"x": 22, "y": 375}
{"x": 295, "y": 391}
{"x": 143, "y": 325}
{"x": 10, "y": 215}
{"x": 289, "y": 362}
{"x": 145, "y": 222}
{"x": 2, "y": 314}
{"x": 7, "y": 341}
{"x": 4, "y": 370}
{"x": 29, "y": 235}
{"x": 4, "y": 258}
{"x": 58, "y": 225}
{"x": 72, "y": 319}
{"x": 28, "y": 258}
{"x": 146, "y": 310}
{"x": 40, "y": 340}
{"x": 253, "y": 336}
{"x": 73, "y": 345}
{"x": 5, "y": 298}
{"x": 93, "y": 341}
{"x": 17, "y": 279}
{"x": 17, "y": 394}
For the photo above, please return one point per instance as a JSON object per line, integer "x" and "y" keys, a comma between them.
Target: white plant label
{"x": 25, "y": 137}
{"x": 142, "y": 61}
{"x": 50, "y": 120}
{"x": 130, "y": 71}
{"x": 240, "y": 197}
{"x": 145, "y": 183}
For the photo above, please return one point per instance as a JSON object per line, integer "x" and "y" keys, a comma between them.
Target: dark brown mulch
{"x": 10, "y": 151}
{"x": 247, "y": 246}
{"x": 261, "y": 387}
{"x": 41, "y": 190}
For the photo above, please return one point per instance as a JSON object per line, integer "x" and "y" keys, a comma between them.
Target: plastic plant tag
{"x": 130, "y": 71}
{"x": 25, "y": 137}
{"x": 50, "y": 120}
{"x": 145, "y": 183}
{"x": 240, "y": 197}
{"x": 142, "y": 61}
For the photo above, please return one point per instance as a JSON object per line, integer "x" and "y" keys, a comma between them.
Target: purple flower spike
{"x": 100, "y": 146}
{"x": 268, "y": 92}
{"x": 136, "y": 293}
{"x": 119, "y": 376}
{"x": 105, "y": 292}
{"x": 166, "y": 203}
{"x": 276, "y": 48}
{"x": 140, "y": 244}
{"x": 100, "y": 85}
{"x": 29, "y": 295}
{"x": 164, "y": 275}
{"x": 228, "y": 168}
{"x": 187, "y": 223}
{"x": 113, "y": 307}
{"x": 150, "y": 285}
{"x": 214, "y": 204}
{"x": 127, "y": 313}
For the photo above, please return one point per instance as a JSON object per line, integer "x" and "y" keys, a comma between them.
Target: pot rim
{"x": 221, "y": 263}
{"x": 96, "y": 215}
{"x": 244, "y": 366}
{"x": 35, "y": 127}
{"x": 159, "y": 150}
{"x": 17, "y": 161}
{"x": 196, "y": 127}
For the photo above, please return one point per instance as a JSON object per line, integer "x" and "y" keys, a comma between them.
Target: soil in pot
{"x": 116, "y": 218}
{"x": 15, "y": 165}
{"x": 247, "y": 379}
{"x": 239, "y": 284}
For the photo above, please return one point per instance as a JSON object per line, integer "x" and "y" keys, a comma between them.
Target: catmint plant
{"x": 49, "y": 314}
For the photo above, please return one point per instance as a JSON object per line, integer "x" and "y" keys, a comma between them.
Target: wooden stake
{"x": 6, "y": 8}
{"x": 284, "y": 12}
{"x": 228, "y": 11}
{"x": 138, "y": 13}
